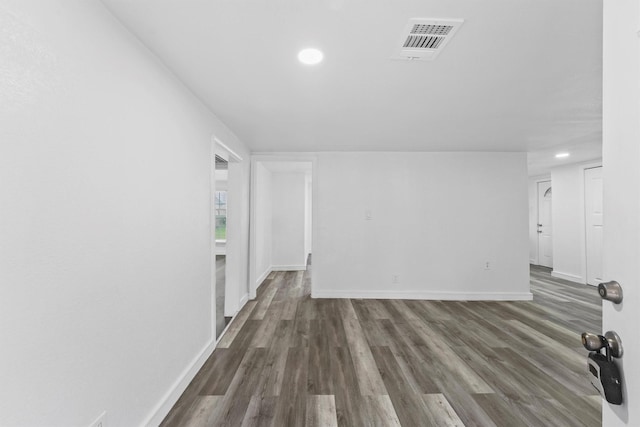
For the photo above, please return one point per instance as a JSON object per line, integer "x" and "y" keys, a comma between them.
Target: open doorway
{"x": 225, "y": 214}
{"x": 221, "y": 209}
{"x": 281, "y": 216}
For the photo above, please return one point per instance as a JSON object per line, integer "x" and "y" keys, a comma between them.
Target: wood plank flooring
{"x": 289, "y": 360}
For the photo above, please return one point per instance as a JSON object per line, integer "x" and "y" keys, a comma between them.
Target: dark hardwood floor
{"x": 289, "y": 360}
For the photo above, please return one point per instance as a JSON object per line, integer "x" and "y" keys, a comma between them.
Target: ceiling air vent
{"x": 424, "y": 38}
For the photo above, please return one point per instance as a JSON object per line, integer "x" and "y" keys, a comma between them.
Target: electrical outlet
{"x": 395, "y": 279}
{"x": 101, "y": 421}
{"x": 487, "y": 265}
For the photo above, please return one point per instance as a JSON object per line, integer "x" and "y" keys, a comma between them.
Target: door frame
{"x": 231, "y": 286}
{"x": 256, "y": 159}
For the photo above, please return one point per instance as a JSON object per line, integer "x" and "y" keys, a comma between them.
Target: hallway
{"x": 289, "y": 360}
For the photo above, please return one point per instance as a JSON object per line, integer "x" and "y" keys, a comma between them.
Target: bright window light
{"x": 562, "y": 155}
{"x": 310, "y": 56}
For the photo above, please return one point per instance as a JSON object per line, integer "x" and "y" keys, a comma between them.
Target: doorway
{"x": 544, "y": 226}
{"x": 225, "y": 214}
{"x": 281, "y": 216}
{"x": 220, "y": 206}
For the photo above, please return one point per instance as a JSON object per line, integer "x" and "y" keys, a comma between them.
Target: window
{"x": 221, "y": 215}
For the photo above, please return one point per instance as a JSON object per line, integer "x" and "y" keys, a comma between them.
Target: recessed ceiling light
{"x": 310, "y": 56}
{"x": 562, "y": 155}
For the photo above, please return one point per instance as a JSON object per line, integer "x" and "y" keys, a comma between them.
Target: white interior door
{"x": 621, "y": 166}
{"x": 545, "y": 247}
{"x": 593, "y": 221}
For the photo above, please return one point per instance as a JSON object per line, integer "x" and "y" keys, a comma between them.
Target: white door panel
{"x": 621, "y": 167}
{"x": 545, "y": 243}
{"x": 593, "y": 192}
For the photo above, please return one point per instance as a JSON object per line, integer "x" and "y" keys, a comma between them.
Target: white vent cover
{"x": 424, "y": 38}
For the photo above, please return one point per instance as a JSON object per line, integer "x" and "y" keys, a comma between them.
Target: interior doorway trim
{"x": 256, "y": 159}
{"x": 236, "y": 157}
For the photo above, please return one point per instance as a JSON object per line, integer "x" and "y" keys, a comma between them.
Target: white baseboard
{"x": 288, "y": 267}
{"x": 567, "y": 276}
{"x": 262, "y": 277}
{"x": 170, "y": 398}
{"x": 243, "y": 301}
{"x": 424, "y": 295}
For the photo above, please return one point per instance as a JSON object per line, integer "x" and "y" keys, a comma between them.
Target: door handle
{"x": 539, "y": 231}
{"x": 604, "y": 373}
{"x": 539, "y": 225}
{"x": 610, "y": 341}
{"x": 611, "y": 291}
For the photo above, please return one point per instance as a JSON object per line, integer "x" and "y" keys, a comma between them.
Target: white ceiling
{"x": 520, "y": 75}
{"x": 541, "y": 162}
{"x": 287, "y": 166}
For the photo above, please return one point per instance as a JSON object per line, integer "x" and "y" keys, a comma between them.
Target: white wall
{"x": 263, "y": 226}
{"x": 288, "y": 238}
{"x": 437, "y": 218}
{"x": 105, "y": 164}
{"x": 533, "y": 216}
{"x": 568, "y": 218}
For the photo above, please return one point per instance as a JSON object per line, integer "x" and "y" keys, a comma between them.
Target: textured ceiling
{"x": 520, "y": 75}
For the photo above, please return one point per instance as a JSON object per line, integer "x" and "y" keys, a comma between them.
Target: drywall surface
{"x": 429, "y": 221}
{"x": 288, "y": 219}
{"x": 568, "y": 217}
{"x": 263, "y": 223}
{"x": 105, "y": 295}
